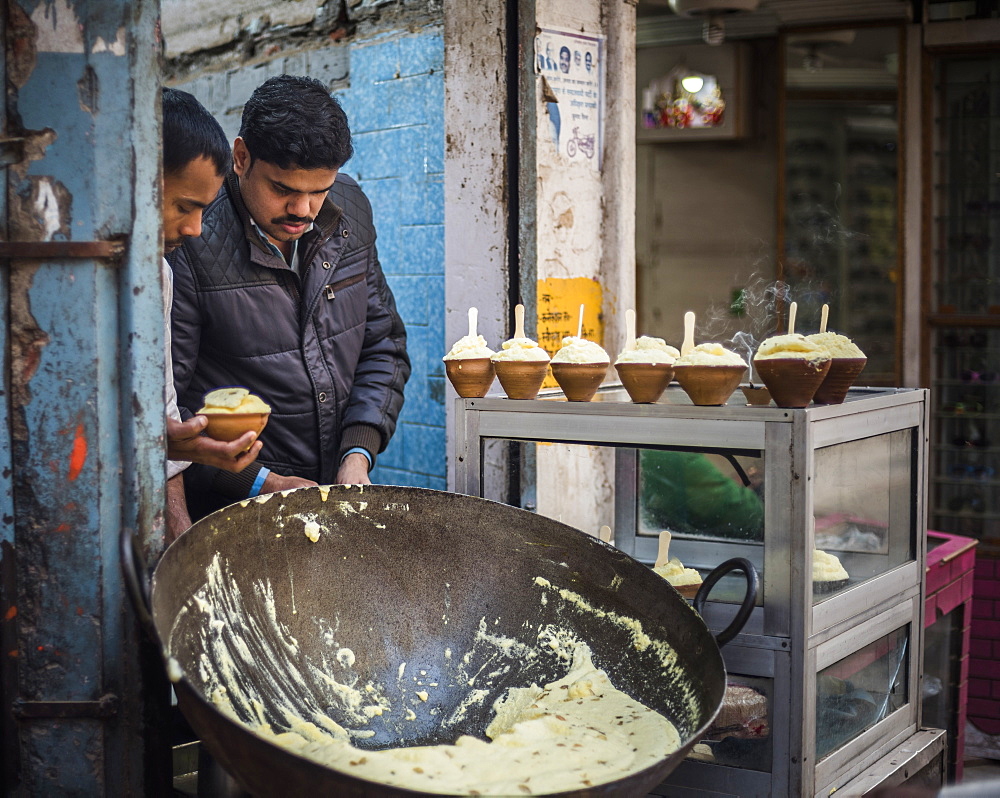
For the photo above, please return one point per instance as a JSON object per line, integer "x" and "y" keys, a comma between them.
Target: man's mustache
{"x": 293, "y": 220}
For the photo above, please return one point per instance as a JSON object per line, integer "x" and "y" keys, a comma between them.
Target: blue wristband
{"x": 360, "y": 450}
{"x": 258, "y": 483}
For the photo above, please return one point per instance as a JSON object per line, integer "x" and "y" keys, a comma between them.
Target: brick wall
{"x": 392, "y": 88}
{"x": 984, "y": 648}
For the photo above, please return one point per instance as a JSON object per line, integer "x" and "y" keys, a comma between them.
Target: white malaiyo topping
{"x": 837, "y": 345}
{"x": 827, "y": 568}
{"x": 580, "y": 350}
{"x": 710, "y": 355}
{"x": 649, "y": 350}
{"x": 676, "y": 574}
{"x": 468, "y": 347}
{"x": 521, "y": 349}
{"x": 791, "y": 347}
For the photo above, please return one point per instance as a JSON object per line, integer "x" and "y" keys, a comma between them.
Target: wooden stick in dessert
{"x": 519, "y": 321}
{"x": 663, "y": 554}
{"x": 792, "y": 310}
{"x": 579, "y": 327}
{"x": 630, "y": 329}
{"x": 605, "y": 534}
{"x": 473, "y": 321}
{"x": 823, "y": 317}
{"x": 688, "y": 344}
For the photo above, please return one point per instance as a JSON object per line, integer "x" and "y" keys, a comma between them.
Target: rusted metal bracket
{"x": 62, "y": 250}
{"x": 104, "y": 707}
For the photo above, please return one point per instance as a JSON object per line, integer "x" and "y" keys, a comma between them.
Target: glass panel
{"x": 841, "y": 200}
{"x": 857, "y": 692}
{"x": 863, "y": 496}
{"x": 706, "y": 495}
{"x": 942, "y": 673}
{"x": 702, "y": 498}
{"x": 741, "y": 733}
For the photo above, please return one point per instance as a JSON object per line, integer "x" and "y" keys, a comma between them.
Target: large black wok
{"x": 249, "y": 610}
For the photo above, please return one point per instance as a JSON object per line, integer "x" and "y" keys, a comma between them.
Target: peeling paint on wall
{"x": 115, "y": 47}
{"x": 59, "y": 29}
{"x": 27, "y": 342}
{"x": 88, "y": 89}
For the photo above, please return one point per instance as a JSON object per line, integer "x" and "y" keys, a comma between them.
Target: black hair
{"x": 191, "y": 132}
{"x": 294, "y": 123}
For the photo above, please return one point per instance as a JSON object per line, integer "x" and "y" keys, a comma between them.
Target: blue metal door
{"x": 81, "y": 395}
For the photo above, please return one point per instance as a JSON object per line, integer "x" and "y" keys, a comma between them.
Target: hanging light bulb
{"x": 692, "y": 83}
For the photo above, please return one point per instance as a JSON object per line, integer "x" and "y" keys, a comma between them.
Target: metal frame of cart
{"x": 790, "y": 637}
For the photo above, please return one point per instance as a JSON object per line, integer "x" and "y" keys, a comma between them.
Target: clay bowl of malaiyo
{"x": 230, "y": 426}
{"x": 756, "y": 395}
{"x": 645, "y": 382}
{"x": 471, "y": 377}
{"x": 579, "y": 381}
{"x": 792, "y": 381}
{"x": 839, "y": 379}
{"x": 709, "y": 385}
{"x": 521, "y": 379}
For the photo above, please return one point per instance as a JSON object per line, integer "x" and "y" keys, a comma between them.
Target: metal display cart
{"x": 834, "y": 667}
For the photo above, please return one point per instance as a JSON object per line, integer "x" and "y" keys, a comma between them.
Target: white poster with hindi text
{"x": 572, "y": 69}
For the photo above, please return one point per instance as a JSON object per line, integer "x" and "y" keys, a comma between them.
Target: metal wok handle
{"x": 749, "y": 600}
{"x": 136, "y": 580}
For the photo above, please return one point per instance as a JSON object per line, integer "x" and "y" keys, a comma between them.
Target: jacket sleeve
{"x": 186, "y": 325}
{"x": 382, "y": 371}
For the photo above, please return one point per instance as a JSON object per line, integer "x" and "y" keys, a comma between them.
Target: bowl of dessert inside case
{"x": 579, "y": 381}
{"x": 839, "y": 379}
{"x": 471, "y": 377}
{"x": 792, "y": 381}
{"x": 521, "y": 379}
{"x": 645, "y": 382}
{"x": 709, "y": 385}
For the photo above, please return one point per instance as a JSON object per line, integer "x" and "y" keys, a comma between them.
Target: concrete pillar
{"x": 569, "y": 205}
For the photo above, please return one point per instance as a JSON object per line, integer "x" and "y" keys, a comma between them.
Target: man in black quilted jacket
{"x": 283, "y": 294}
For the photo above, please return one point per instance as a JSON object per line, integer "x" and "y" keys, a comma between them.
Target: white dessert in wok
{"x": 577, "y": 732}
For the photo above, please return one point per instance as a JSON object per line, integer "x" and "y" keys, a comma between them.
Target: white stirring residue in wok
{"x": 239, "y": 632}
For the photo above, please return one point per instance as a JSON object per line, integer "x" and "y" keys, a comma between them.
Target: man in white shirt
{"x": 196, "y": 157}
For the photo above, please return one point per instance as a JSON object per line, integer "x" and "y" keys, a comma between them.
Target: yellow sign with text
{"x": 559, "y": 301}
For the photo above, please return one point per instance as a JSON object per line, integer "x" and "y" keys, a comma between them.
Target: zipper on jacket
{"x": 331, "y": 290}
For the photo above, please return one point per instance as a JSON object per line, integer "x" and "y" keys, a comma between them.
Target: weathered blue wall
{"x": 392, "y": 88}
{"x": 395, "y": 104}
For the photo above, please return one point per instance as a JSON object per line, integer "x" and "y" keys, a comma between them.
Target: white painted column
{"x": 576, "y": 220}
{"x": 585, "y": 222}
{"x": 475, "y": 211}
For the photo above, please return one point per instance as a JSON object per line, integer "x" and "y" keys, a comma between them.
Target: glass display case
{"x": 824, "y": 678}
